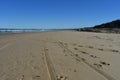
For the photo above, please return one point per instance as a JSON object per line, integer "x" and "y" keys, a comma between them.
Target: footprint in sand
{"x": 75, "y": 48}
{"x": 104, "y": 63}
{"x": 46, "y": 49}
{"x": 61, "y": 42}
{"x": 64, "y": 50}
{"x": 76, "y": 55}
{"x": 93, "y": 56}
{"x": 98, "y": 65}
{"x": 62, "y": 78}
{"x": 101, "y": 49}
{"x": 74, "y": 70}
{"x": 90, "y": 47}
{"x": 83, "y": 52}
{"x": 83, "y": 59}
{"x": 112, "y": 50}
{"x": 36, "y": 77}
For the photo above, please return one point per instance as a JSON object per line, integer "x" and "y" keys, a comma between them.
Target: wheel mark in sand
{"x": 8, "y": 44}
{"x": 5, "y": 46}
{"x": 50, "y": 69}
{"x": 108, "y": 77}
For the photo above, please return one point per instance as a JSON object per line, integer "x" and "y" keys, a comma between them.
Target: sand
{"x": 60, "y": 55}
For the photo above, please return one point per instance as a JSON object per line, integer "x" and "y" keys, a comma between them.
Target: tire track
{"x": 6, "y": 45}
{"x": 108, "y": 77}
{"x": 50, "y": 68}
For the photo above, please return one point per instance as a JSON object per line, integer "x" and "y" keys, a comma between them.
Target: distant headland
{"x": 110, "y": 27}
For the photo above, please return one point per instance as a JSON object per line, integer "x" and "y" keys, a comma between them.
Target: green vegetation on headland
{"x": 110, "y": 27}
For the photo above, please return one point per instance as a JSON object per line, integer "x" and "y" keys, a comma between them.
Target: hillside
{"x": 110, "y": 27}
{"x": 113, "y": 24}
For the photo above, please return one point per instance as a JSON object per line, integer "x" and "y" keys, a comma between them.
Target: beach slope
{"x": 60, "y": 55}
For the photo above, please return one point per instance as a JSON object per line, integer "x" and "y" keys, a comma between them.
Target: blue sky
{"x": 57, "y": 13}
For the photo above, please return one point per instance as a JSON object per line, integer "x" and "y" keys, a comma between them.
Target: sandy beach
{"x": 60, "y": 55}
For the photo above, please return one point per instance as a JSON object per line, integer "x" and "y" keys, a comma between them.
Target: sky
{"x": 57, "y": 14}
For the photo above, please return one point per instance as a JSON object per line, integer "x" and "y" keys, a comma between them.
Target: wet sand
{"x": 60, "y": 55}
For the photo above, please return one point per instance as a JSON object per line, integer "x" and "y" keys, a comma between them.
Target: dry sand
{"x": 60, "y": 55}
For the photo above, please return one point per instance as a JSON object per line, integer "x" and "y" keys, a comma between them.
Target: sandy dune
{"x": 60, "y": 55}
